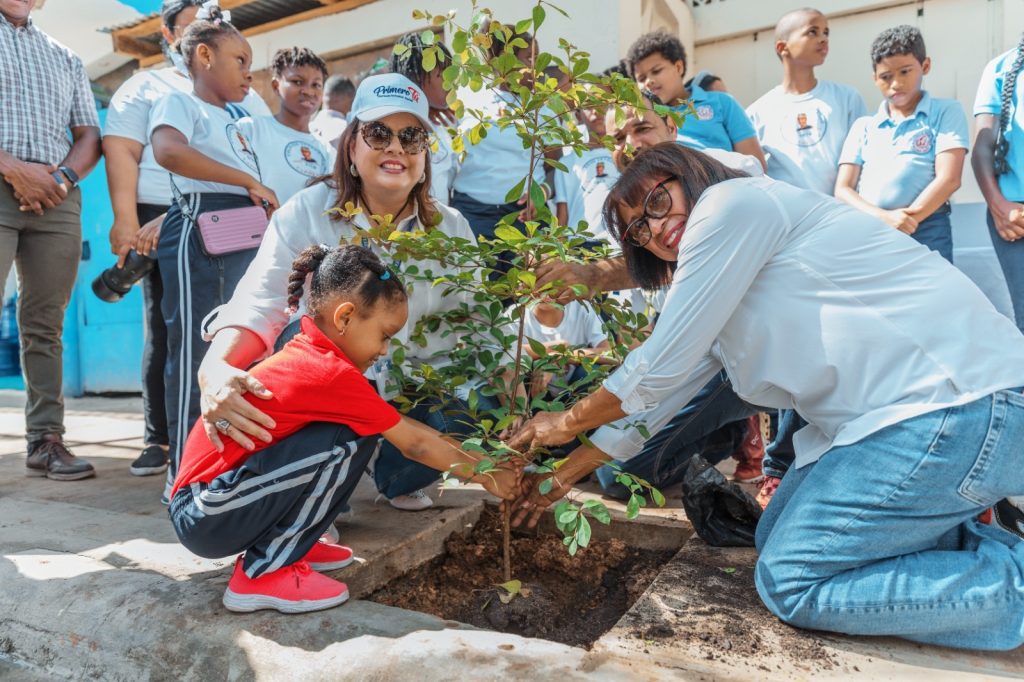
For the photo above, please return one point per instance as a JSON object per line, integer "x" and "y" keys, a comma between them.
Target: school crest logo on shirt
{"x": 241, "y": 146}
{"x": 305, "y": 158}
{"x": 705, "y": 112}
{"x": 922, "y": 142}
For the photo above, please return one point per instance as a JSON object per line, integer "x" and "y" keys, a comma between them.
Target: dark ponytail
{"x": 351, "y": 270}
{"x": 209, "y": 31}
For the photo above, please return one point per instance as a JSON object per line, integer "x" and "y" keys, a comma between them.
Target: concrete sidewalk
{"x": 93, "y": 585}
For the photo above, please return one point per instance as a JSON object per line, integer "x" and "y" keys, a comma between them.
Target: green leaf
{"x": 658, "y": 498}
{"x": 573, "y": 546}
{"x": 523, "y": 26}
{"x": 583, "y": 532}
{"x": 429, "y": 58}
{"x": 545, "y": 486}
{"x": 509, "y": 234}
{"x": 728, "y": 570}
{"x": 568, "y": 516}
{"x": 537, "y": 347}
{"x": 516, "y": 192}
{"x": 598, "y": 510}
{"x": 400, "y": 49}
{"x": 538, "y": 16}
{"x": 459, "y": 41}
{"x": 428, "y": 37}
{"x": 633, "y": 507}
{"x": 512, "y": 589}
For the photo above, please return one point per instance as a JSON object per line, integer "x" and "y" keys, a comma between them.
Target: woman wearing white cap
{"x": 383, "y": 168}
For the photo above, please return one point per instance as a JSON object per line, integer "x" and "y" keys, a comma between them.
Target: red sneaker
{"x": 327, "y": 556}
{"x": 292, "y": 589}
{"x": 750, "y": 453}
{"x": 768, "y": 487}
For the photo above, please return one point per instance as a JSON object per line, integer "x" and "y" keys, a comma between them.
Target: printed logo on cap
{"x": 305, "y": 158}
{"x": 241, "y": 146}
{"x": 922, "y": 142}
{"x": 409, "y": 94}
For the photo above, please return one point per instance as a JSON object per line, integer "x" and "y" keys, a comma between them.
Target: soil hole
{"x": 572, "y": 600}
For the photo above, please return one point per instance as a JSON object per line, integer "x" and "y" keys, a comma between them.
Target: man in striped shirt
{"x": 44, "y": 93}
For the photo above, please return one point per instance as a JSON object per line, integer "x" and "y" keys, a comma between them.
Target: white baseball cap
{"x": 389, "y": 93}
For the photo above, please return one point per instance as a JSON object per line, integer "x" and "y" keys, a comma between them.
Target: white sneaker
{"x": 414, "y": 501}
{"x": 331, "y": 535}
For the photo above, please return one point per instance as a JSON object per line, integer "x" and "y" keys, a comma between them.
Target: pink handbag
{"x": 232, "y": 230}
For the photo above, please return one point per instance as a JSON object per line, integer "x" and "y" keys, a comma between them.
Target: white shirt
{"x": 444, "y": 165}
{"x": 811, "y": 304}
{"x": 328, "y": 126}
{"x": 584, "y": 188}
{"x": 803, "y": 135}
{"x": 580, "y": 328}
{"x": 494, "y": 165}
{"x": 261, "y": 297}
{"x": 288, "y": 159}
{"x": 128, "y": 116}
{"x": 210, "y": 130}
{"x": 735, "y": 160}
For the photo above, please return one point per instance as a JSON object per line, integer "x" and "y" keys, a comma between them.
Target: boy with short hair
{"x": 658, "y": 62}
{"x": 903, "y": 163}
{"x": 803, "y": 122}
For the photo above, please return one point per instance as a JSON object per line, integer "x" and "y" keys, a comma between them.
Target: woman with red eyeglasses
{"x": 908, "y": 377}
{"x": 383, "y": 168}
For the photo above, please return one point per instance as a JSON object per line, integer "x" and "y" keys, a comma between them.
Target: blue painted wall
{"x": 102, "y": 341}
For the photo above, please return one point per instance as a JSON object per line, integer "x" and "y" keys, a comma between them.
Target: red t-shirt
{"x": 312, "y": 381}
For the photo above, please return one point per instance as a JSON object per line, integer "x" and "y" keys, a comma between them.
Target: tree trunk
{"x": 506, "y": 541}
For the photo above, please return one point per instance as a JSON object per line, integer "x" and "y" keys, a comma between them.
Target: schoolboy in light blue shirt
{"x": 903, "y": 163}
{"x": 658, "y": 61}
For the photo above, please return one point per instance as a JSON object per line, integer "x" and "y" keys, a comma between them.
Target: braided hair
{"x": 410, "y": 62}
{"x": 350, "y": 269}
{"x": 208, "y": 31}
{"x": 1000, "y": 165}
{"x": 295, "y": 57}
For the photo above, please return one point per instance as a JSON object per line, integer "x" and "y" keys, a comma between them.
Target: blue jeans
{"x": 936, "y": 233}
{"x": 880, "y": 537}
{"x": 779, "y": 455}
{"x": 664, "y": 457}
{"x": 1011, "y": 260}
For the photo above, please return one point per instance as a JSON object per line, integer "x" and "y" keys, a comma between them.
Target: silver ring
{"x": 222, "y": 425}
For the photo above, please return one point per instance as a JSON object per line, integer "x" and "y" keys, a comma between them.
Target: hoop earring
{"x": 343, "y": 330}
{"x": 352, "y": 170}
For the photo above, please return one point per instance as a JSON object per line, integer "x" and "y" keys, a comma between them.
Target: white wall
{"x": 591, "y": 26}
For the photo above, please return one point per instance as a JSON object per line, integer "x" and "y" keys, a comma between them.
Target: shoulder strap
{"x": 1009, "y": 87}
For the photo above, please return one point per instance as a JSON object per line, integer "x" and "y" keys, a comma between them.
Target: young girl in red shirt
{"x": 275, "y": 503}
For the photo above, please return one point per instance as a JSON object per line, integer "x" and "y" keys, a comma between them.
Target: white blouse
{"x": 261, "y": 297}
{"x": 813, "y": 305}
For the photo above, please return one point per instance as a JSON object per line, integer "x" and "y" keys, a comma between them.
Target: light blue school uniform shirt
{"x": 989, "y": 101}
{"x": 719, "y": 124}
{"x": 495, "y": 164}
{"x": 897, "y": 158}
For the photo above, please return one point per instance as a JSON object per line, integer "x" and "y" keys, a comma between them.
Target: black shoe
{"x": 1008, "y": 517}
{"x": 152, "y": 461}
{"x": 49, "y": 457}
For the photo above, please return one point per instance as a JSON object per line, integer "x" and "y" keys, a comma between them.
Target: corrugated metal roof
{"x": 249, "y": 15}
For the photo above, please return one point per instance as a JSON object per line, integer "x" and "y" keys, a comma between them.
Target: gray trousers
{"x": 46, "y": 250}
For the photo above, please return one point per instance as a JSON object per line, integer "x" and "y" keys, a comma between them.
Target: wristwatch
{"x": 71, "y": 175}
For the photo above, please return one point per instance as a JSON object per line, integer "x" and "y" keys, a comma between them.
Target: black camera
{"x": 113, "y": 283}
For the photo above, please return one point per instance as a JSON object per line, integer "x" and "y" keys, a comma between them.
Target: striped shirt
{"x": 44, "y": 90}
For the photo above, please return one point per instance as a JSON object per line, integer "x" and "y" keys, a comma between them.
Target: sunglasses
{"x": 657, "y": 204}
{"x": 413, "y": 139}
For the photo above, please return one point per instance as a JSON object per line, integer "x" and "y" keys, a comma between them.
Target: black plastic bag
{"x": 721, "y": 513}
